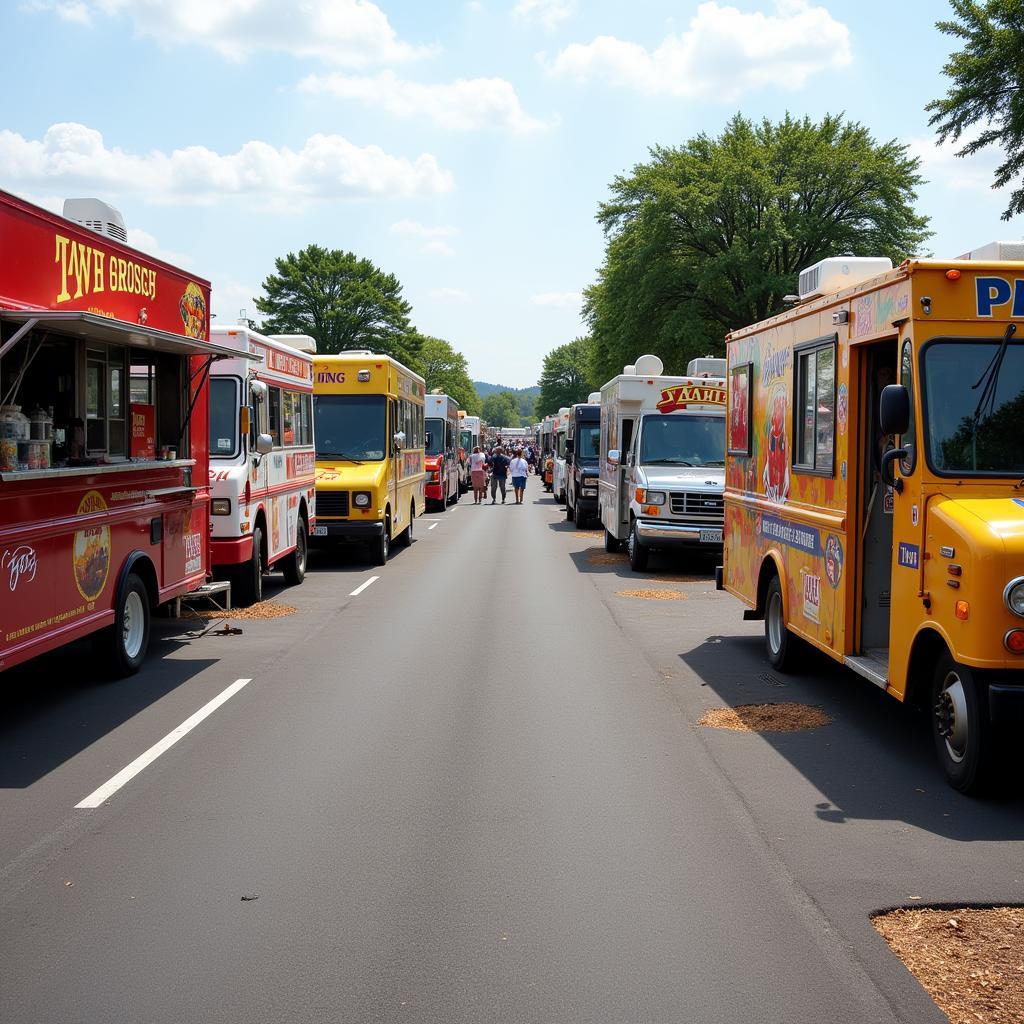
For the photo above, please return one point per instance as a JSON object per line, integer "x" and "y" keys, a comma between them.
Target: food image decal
{"x": 193, "y": 311}
{"x": 776, "y": 465}
{"x": 91, "y": 551}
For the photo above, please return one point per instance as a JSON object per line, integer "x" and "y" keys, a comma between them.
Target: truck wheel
{"x": 404, "y": 539}
{"x": 638, "y": 554}
{"x": 294, "y": 566}
{"x": 127, "y": 640}
{"x": 779, "y": 642}
{"x": 380, "y": 547}
{"x": 611, "y": 543}
{"x": 960, "y": 727}
{"x": 247, "y": 584}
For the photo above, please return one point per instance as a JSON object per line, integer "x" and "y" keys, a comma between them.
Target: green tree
{"x": 565, "y": 378}
{"x": 442, "y": 367}
{"x": 341, "y": 300}
{"x": 987, "y": 79}
{"x": 711, "y": 235}
{"x": 501, "y": 410}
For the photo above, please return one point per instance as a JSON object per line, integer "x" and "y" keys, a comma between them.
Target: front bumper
{"x": 432, "y": 492}
{"x": 1006, "y": 703}
{"x": 345, "y": 530}
{"x": 667, "y": 534}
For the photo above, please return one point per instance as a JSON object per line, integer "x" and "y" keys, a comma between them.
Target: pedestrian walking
{"x": 499, "y": 474}
{"x": 519, "y": 468}
{"x": 478, "y": 473}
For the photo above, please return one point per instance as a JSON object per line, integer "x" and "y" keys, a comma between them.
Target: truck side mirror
{"x": 258, "y": 390}
{"x": 428, "y": 438}
{"x": 894, "y": 409}
{"x": 264, "y": 444}
{"x": 613, "y": 456}
{"x": 570, "y": 447}
{"x": 399, "y": 439}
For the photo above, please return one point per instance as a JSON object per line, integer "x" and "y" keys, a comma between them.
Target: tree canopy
{"x": 442, "y": 367}
{"x": 565, "y": 378}
{"x": 343, "y": 301}
{"x": 501, "y": 410}
{"x": 711, "y": 235}
{"x": 986, "y": 80}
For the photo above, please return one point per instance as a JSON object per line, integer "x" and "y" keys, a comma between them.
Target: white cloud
{"x": 558, "y": 299}
{"x": 75, "y": 157}
{"x": 437, "y": 248}
{"x": 467, "y": 104}
{"x": 449, "y": 294}
{"x": 142, "y": 240}
{"x": 723, "y": 53}
{"x": 549, "y": 14}
{"x": 351, "y": 33}
{"x": 413, "y": 229}
{"x": 941, "y": 166}
{"x": 229, "y": 298}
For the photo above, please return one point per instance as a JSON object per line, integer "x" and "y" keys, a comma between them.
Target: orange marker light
{"x": 641, "y": 494}
{"x": 952, "y": 275}
{"x": 1014, "y": 641}
{"x": 963, "y": 609}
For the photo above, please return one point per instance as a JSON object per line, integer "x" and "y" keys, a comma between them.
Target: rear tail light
{"x": 1014, "y": 641}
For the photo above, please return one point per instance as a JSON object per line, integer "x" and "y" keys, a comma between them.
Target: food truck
{"x": 582, "y": 451}
{"x": 469, "y": 438}
{"x": 559, "y": 428}
{"x": 442, "y": 441}
{"x": 262, "y": 502}
{"x": 104, "y": 503}
{"x": 875, "y": 486}
{"x": 662, "y": 466}
{"x": 547, "y": 459}
{"x": 368, "y": 430}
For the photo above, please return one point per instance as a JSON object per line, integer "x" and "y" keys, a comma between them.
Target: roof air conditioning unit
{"x": 839, "y": 272}
{"x": 97, "y": 215}
{"x": 996, "y": 251}
{"x": 706, "y": 366}
{"x": 299, "y": 342}
{"x": 649, "y": 366}
{"x": 594, "y": 398}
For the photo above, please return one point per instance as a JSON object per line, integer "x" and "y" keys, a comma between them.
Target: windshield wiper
{"x": 989, "y": 382}
{"x": 339, "y": 455}
{"x": 667, "y": 462}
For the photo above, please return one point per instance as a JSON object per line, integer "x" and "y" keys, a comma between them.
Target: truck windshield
{"x": 588, "y": 440}
{"x": 683, "y": 441}
{"x": 465, "y": 440}
{"x": 223, "y": 417}
{"x": 350, "y": 427}
{"x": 435, "y": 435}
{"x": 974, "y": 418}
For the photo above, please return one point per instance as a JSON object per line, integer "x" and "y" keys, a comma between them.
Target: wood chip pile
{"x": 971, "y": 962}
{"x": 263, "y": 610}
{"x": 654, "y": 594}
{"x": 786, "y": 717}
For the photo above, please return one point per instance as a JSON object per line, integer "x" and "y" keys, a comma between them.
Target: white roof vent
{"x": 299, "y": 342}
{"x": 835, "y": 274}
{"x": 563, "y": 410}
{"x": 101, "y": 217}
{"x": 594, "y": 398}
{"x": 649, "y": 366}
{"x": 996, "y": 251}
{"x": 706, "y": 366}
{"x": 629, "y": 370}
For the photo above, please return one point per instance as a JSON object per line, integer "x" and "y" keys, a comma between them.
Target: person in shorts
{"x": 519, "y": 469}
{"x": 478, "y": 470}
{"x": 499, "y": 474}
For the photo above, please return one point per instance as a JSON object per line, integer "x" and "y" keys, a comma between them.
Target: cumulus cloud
{"x": 437, "y": 248}
{"x": 449, "y": 294}
{"x": 467, "y": 104}
{"x": 351, "y": 33}
{"x": 723, "y": 53}
{"x": 574, "y": 299}
{"x": 941, "y": 166}
{"x": 231, "y": 300}
{"x": 76, "y": 157}
{"x": 140, "y": 239}
{"x": 549, "y": 14}
{"x": 414, "y": 229}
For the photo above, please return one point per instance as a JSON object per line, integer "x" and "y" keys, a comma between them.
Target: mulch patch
{"x": 785, "y": 717}
{"x": 654, "y": 594}
{"x": 263, "y": 610}
{"x": 598, "y": 556}
{"x": 970, "y": 961}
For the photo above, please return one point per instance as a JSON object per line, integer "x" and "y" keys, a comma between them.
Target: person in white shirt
{"x": 519, "y": 468}
{"x": 478, "y": 471}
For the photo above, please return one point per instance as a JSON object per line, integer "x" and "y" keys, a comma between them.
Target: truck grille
{"x": 331, "y": 503}
{"x": 699, "y": 508}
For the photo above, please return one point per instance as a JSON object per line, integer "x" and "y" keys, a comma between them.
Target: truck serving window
{"x": 974, "y": 406}
{"x": 815, "y": 407}
{"x": 350, "y": 427}
{"x": 223, "y": 417}
{"x": 682, "y": 441}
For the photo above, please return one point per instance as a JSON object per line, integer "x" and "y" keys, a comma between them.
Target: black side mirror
{"x": 894, "y": 409}
{"x": 570, "y": 447}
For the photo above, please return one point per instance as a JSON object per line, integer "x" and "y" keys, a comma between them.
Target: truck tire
{"x": 404, "y": 539}
{"x": 294, "y": 565}
{"x": 638, "y": 553}
{"x": 380, "y": 547}
{"x": 611, "y": 544}
{"x": 124, "y": 644}
{"x": 780, "y": 644}
{"x": 961, "y": 729}
{"x": 247, "y": 579}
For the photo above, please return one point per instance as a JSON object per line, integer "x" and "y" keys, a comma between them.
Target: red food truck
{"x": 104, "y": 453}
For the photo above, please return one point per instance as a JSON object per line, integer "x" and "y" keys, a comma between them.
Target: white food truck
{"x": 662, "y": 465}
{"x": 469, "y": 438}
{"x": 262, "y": 459}
{"x": 560, "y": 429}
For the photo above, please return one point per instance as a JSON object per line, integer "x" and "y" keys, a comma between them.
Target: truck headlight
{"x": 361, "y": 499}
{"x": 1013, "y": 595}
{"x": 654, "y": 498}
{"x": 220, "y": 507}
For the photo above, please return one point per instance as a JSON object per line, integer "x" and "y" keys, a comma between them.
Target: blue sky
{"x": 463, "y": 146}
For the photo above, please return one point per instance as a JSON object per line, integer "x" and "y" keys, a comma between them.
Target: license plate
{"x": 319, "y": 531}
{"x": 711, "y": 536}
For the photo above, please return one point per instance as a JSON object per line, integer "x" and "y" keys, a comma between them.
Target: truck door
{"x": 394, "y": 426}
{"x": 625, "y": 470}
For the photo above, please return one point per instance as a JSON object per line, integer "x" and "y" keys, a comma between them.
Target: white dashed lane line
{"x": 433, "y": 526}
{"x": 363, "y": 586}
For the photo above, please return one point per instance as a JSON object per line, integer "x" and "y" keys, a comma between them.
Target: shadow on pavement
{"x": 874, "y": 762}
{"x": 677, "y": 565}
{"x": 57, "y": 705}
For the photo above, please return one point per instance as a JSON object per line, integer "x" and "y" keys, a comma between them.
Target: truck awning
{"x": 101, "y": 328}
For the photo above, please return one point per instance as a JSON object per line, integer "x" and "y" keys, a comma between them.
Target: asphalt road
{"x": 473, "y": 792}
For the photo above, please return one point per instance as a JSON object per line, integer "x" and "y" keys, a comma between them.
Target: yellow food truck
{"x": 874, "y": 496}
{"x": 368, "y": 420}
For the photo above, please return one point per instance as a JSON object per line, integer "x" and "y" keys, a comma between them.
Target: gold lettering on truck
{"x": 85, "y": 269}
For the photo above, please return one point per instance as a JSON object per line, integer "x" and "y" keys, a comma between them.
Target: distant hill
{"x": 483, "y": 389}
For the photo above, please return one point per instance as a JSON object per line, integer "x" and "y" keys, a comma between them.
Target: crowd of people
{"x": 496, "y": 465}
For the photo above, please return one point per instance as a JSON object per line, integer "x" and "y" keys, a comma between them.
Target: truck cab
{"x": 662, "y": 464}
{"x": 582, "y": 453}
{"x": 442, "y": 456}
